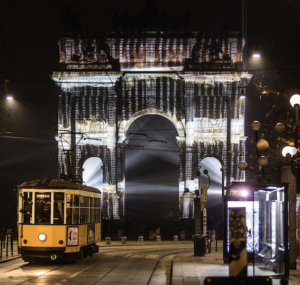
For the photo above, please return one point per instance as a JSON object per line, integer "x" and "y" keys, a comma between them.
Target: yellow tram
{"x": 58, "y": 219}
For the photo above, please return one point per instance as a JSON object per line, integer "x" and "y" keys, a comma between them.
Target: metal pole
{"x": 256, "y": 140}
{"x": 286, "y": 231}
{"x": 216, "y": 243}
{"x": 12, "y": 243}
{"x": 1, "y": 244}
{"x": 296, "y": 130}
{"x": 228, "y": 140}
{"x": 198, "y": 222}
{"x": 244, "y": 32}
{"x": 6, "y": 244}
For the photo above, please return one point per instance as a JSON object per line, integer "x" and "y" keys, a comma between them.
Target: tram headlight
{"x": 42, "y": 237}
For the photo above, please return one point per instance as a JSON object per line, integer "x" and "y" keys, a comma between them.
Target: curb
{"x": 9, "y": 259}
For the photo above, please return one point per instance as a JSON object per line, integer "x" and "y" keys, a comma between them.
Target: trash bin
{"x": 199, "y": 246}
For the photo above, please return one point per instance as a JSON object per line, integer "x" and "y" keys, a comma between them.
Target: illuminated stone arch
{"x": 172, "y": 75}
{"x": 177, "y": 124}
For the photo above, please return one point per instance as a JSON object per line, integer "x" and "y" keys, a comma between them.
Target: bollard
{"x": 108, "y": 240}
{"x": 175, "y": 238}
{"x": 213, "y": 237}
{"x": 158, "y": 238}
{"x": 124, "y": 240}
{"x": 216, "y": 243}
{"x": 141, "y": 239}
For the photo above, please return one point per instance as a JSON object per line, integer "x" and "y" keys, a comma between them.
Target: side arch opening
{"x": 214, "y": 194}
{"x": 92, "y": 174}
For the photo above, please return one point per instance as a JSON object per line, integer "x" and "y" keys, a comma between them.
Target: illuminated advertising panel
{"x": 72, "y": 236}
{"x": 252, "y": 223}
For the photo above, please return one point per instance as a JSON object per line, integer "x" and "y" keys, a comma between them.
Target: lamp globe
{"x": 295, "y": 100}
{"x": 243, "y": 165}
{"x": 279, "y": 128}
{"x": 263, "y": 160}
{"x": 255, "y": 125}
{"x": 262, "y": 145}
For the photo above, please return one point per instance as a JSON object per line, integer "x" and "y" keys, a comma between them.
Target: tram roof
{"x": 48, "y": 183}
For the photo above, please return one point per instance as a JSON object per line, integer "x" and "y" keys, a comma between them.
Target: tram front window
{"x": 58, "y": 208}
{"x": 27, "y": 210}
{"x": 42, "y": 208}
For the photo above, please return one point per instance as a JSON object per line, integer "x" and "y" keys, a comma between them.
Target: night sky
{"x": 30, "y": 30}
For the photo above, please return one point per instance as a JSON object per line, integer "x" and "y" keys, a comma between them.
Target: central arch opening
{"x": 152, "y": 171}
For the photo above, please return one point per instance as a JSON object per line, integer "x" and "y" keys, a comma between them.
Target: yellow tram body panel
{"x": 53, "y": 234}
{"x": 56, "y": 236}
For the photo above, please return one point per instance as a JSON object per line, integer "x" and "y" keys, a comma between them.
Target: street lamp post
{"x": 261, "y": 146}
{"x": 199, "y": 203}
{"x": 197, "y": 206}
{"x": 288, "y": 177}
{"x": 295, "y": 102}
{"x": 286, "y": 173}
{"x": 197, "y": 210}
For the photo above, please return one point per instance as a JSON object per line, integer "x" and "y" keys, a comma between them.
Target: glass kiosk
{"x": 266, "y": 225}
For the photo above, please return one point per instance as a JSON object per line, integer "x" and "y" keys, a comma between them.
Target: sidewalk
{"x": 189, "y": 269}
{"x": 7, "y": 255}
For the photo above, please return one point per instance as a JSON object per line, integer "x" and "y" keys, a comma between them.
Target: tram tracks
{"x": 149, "y": 282}
{"x": 164, "y": 260}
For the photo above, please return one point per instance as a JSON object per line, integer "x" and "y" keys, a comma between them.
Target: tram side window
{"x": 97, "y": 210}
{"x": 92, "y": 218}
{"x": 83, "y": 215}
{"x": 72, "y": 214}
{"x": 58, "y": 208}
{"x": 84, "y": 209}
{"x": 27, "y": 207}
{"x": 76, "y": 200}
{"x": 42, "y": 208}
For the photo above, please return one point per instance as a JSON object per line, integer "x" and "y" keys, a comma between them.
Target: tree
{"x": 275, "y": 29}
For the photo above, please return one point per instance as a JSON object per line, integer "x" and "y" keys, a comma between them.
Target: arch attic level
{"x": 107, "y": 82}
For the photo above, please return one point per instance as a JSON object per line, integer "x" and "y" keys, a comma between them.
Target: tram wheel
{"x": 89, "y": 251}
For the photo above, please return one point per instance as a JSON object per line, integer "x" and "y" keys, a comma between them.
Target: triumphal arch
{"x": 106, "y": 81}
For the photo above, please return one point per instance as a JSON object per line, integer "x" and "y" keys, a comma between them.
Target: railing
{"x": 209, "y": 238}
{"x": 8, "y": 242}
